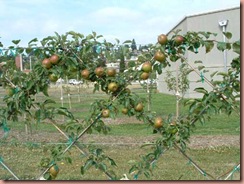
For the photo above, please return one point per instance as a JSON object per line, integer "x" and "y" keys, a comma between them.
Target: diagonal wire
{"x": 230, "y": 171}
{"x": 194, "y": 164}
{"x": 209, "y": 83}
{"x": 236, "y": 168}
{"x": 8, "y": 169}
{"x": 80, "y": 135}
{"x": 76, "y": 145}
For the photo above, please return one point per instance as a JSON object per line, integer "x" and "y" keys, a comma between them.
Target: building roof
{"x": 200, "y": 14}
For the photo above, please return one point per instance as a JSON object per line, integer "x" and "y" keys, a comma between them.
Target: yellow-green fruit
{"x": 99, "y": 71}
{"x": 139, "y": 107}
{"x": 54, "y": 170}
{"x": 174, "y": 130}
{"x": 144, "y": 76}
{"x": 162, "y": 39}
{"x": 85, "y": 74}
{"x": 9, "y": 91}
{"x": 146, "y": 67}
{"x": 105, "y": 113}
{"x": 158, "y": 122}
{"x": 159, "y": 56}
{"x": 124, "y": 110}
{"x": 127, "y": 90}
{"x": 111, "y": 72}
{"x": 52, "y": 77}
{"x": 113, "y": 86}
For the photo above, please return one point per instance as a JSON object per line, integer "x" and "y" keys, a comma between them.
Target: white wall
{"x": 215, "y": 59}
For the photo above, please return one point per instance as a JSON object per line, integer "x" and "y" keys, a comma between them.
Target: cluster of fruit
{"x": 101, "y": 72}
{"x": 112, "y": 87}
{"x": 48, "y": 63}
{"x": 138, "y": 108}
{"x": 161, "y": 57}
{"x": 146, "y": 69}
{"x": 163, "y": 40}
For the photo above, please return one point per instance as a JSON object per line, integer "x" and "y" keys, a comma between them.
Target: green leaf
{"x": 57, "y": 35}
{"x": 45, "y": 90}
{"x": 223, "y": 74}
{"x": 159, "y": 69}
{"x": 205, "y": 34}
{"x": 202, "y": 119}
{"x": 228, "y": 35}
{"x": 205, "y": 71}
{"x": 20, "y": 50}
{"x": 127, "y": 41}
{"x": 112, "y": 162}
{"x": 98, "y": 152}
{"x": 64, "y": 111}
{"x": 99, "y": 36}
{"x": 16, "y": 42}
{"x": 191, "y": 48}
{"x": 201, "y": 90}
{"x": 213, "y": 74}
{"x": 223, "y": 45}
{"x": 147, "y": 174}
{"x": 132, "y": 169}
{"x": 68, "y": 160}
{"x": 198, "y": 61}
{"x": 38, "y": 116}
{"x": 188, "y": 102}
{"x": 236, "y": 47}
{"x": 188, "y": 71}
{"x": 102, "y": 167}
{"x": 117, "y": 40}
{"x": 88, "y": 164}
{"x": 94, "y": 34}
{"x": 33, "y": 40}
{"x": 228, "y": 46}
{"x": 200, "y": 67}
{"x": 208, "y": 45}
{"x": 90, "y": 36}
{"x": 28, "y": 50}
{"x": 48, "y": 101}
{"x": 82, "y": 170}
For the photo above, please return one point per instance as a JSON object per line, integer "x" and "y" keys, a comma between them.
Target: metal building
{"x": 216, "y": 22}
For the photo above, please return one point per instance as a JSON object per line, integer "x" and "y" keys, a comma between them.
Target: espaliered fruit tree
{"x": 61, "y": 54}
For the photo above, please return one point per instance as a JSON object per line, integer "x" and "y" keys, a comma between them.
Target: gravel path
{"x": 195, "y": 141}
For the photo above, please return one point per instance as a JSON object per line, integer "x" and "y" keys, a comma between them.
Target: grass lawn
{"x": 24, "y": 161}
{"x": 24, "y": 158}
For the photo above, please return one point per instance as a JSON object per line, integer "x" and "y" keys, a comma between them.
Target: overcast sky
{"x": 142, "y": 20}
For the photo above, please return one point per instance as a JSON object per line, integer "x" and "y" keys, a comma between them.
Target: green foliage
{"x": 77, "y": 52}
{"x": 131, "y": 64}
{"x": 182, "y": 85}
{"x": 99, "y": 160}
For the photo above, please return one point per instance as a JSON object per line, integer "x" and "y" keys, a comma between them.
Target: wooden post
{"x": 78, "y": 89}
{"x": 177, "y": 94}
{"x": 69, "y": 97}
{"x": 61, "y": 96}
